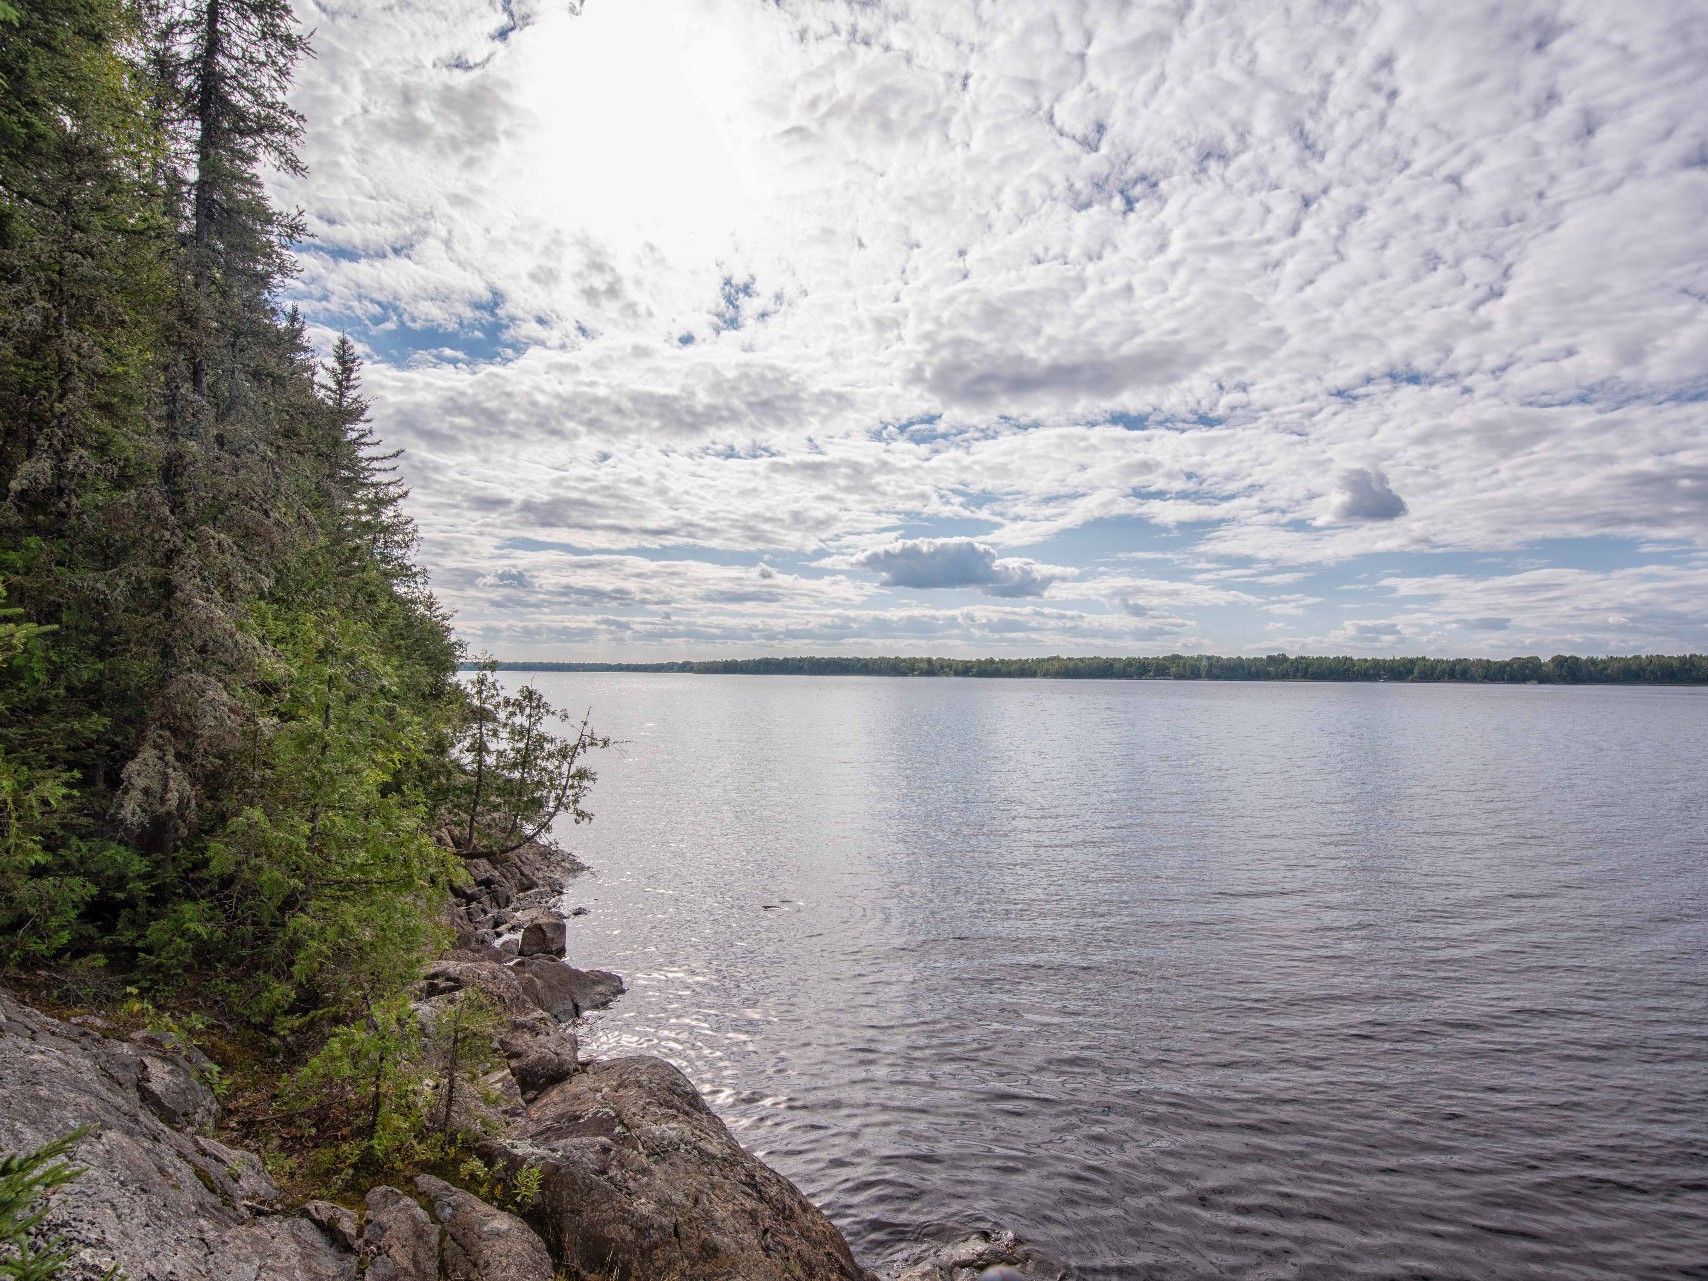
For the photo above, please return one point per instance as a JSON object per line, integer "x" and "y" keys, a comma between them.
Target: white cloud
{"x": 810, "y": 280}
{"x": 1364, "y": 494}
{"x": 958, "y": 562}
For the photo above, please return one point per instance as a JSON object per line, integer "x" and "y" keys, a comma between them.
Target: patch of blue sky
{"x": 1149, "y": 421}
{"x": 729, "y": 451}
{"x": 1616, "y": 393}
{"x": 1598, "y": 553}
{"x": 512, "y": 22}
{"x": 391, "y": 339}
{"x": 948, "y": 526}
{"x": 480, "y": 341}
{"x": 1108, "y": 539}
{"x": 733, "y": 311}
{"x": 924, "y": 429}
{"x": 337, "y": 253}
{"x": 1403, "y": 376}
{"x": 1131, "y": 190}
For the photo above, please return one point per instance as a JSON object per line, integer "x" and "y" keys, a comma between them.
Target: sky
{"x": 734, "y": 327}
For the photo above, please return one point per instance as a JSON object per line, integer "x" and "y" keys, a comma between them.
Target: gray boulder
{"x": 542, "y": 868}
{"x": 564, "y": 991}
{"x": 494, "y": 885}
{"x": 335, "y": 1221}
{"x": 482, "y": 1243}
{"x": 640, "y": 1179}
{"x": 174, "y": 1093}
{"x": 275, "y": 1249}
{"x": 400, "y": 1242}
{"x": 512, "y": 991}
{"x": 538, "y": 1063}
{"x": 152, "y": 1202}
{"x": 544, "y": 935}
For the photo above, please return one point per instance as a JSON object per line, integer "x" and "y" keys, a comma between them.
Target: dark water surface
{"x": 1179, "y": 980}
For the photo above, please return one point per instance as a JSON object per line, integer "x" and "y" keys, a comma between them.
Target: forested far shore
{"x": 1561, "y": 669}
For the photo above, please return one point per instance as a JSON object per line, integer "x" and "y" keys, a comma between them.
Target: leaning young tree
{"x": 518, "y": 776}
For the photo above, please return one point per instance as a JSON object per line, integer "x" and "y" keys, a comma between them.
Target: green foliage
{"x": 328, "y": 875}
{"x": 26, "y": 1181}
{"x": 384, "y": 1088}
{"x": 460, "y": 1045}
{"x": 474, "y": 1173}
{"x": 525, "y": 1187}
{"x": 488, "y": 1184}
{"x": 369, "y": 1088}
{"x": 227, "y": 696}
{"x": 37, "y": 906}
{"x": 517, "y": 776}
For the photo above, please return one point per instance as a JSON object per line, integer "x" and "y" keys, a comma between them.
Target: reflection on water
{"x": 1178, "y": 980}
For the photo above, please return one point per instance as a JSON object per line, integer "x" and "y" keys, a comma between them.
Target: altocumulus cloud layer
{"x": 714, "y": 326}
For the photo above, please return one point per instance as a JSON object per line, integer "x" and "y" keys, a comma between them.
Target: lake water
{"x": 1178, "y": 980}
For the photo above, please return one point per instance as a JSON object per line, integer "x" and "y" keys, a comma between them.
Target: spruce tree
{"x": 223, "y": 68}
{"x": 83, "y": 279}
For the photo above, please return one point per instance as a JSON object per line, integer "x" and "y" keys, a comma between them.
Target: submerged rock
{"x": 980, "y": 1256}
{"x": 640, "y": 1179}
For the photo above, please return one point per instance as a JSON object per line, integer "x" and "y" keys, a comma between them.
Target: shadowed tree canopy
{"x": 229, "y": 713}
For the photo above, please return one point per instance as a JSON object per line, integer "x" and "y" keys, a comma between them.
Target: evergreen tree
{"x": 228, "y": 695}
{"x": 82, "y": 283}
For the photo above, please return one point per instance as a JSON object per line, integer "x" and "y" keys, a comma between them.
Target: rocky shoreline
{"x": 638, "y": 1179}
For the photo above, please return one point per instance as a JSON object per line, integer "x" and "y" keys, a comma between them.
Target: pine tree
{"x": 82, "y": 281}
{"x": 227, "y": 691}
{"x": 224, "y": 67}
{"x": 368, "y": 473}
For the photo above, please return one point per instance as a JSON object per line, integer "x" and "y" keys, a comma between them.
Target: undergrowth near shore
{"x": 376, "y": 1103}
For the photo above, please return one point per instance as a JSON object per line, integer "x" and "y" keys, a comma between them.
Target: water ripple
{"x": 1179, "y": 980}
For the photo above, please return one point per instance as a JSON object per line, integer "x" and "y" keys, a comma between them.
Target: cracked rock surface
{"x": 641, "y": 1179}
{"x": 156, "y": 1201}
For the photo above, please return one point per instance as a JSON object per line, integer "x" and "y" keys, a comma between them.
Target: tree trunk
{"x": 379, "y": 1096}
{"x": 451, "y": 1072}
{"x": 207, "y": 125}
{"x": 479, "y": 771}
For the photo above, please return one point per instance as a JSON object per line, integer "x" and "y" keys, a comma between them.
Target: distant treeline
{"x": 1562, "y": 669}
